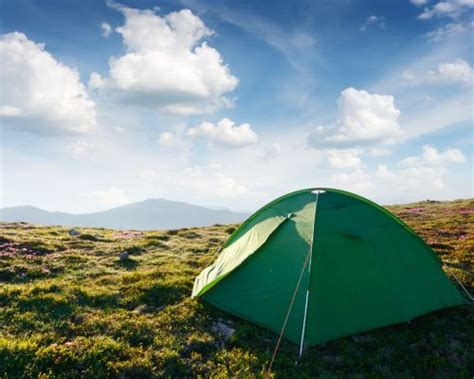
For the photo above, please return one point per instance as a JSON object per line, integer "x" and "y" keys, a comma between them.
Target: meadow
{"x": 71, "y": 308}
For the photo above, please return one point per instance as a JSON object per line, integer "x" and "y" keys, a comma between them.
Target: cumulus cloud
{"x": 167, "y": 139}
{"x": 451, "y": 8}
{"x": 364, "y": 119}
{"x": 458, "y": 71}
{"x": 228, "y": 187}
{"x": 224, "y": 133}
{"x": 105, "y": 30}
{"x": 345, "y": 158}
{"x": 357, "y": 180}
{"x": 167, "y": 66}
{"x": 111, "y": 197}
{"x": 39, "y": 93}
{"x": 426, "y": 170}
{"x": 375, "y": 21}
{"x": 431, "y": 157}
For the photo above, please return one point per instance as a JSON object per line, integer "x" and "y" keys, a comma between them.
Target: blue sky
{"x": 232, "y": 104}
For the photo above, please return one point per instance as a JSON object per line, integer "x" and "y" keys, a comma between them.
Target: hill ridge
{"x": 148, "y": 214}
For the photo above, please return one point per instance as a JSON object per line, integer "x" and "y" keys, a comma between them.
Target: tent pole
{"x": 303, "y": 329}
{"x": 304, "y": 323}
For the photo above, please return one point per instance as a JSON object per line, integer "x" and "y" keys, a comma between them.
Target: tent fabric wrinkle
{"x": 367, "y": 269}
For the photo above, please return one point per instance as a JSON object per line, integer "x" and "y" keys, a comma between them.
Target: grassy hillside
{"x": 69, "y": 307}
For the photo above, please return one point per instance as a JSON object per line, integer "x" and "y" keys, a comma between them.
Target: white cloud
{"x": 422, "y": 171}
{"x": 105, "y": 30}
{"x": 365, "y": 119}
{"x": 378, "y": 151}
{"x": 423, "y": 175}
{"x": 451, "y": 8}
{"x": 449, "y": 30}
{"x": 79, "y": 148}
{"x": 167, "y": 67}
{"x": 458, "y": 71}
{"x": 228, "y": 187}
{"x": 431, "y": 157}
{"x": 383, "y": 172}
{"x": 167, "y": 139}
{"x": 373, "y": 20}
{"x": 9, "y": 111}
{"x": 39, "y": 93}
{"x": 111, "y": 197}
{"x": 418, "y": 3}
{"x": 225, "y": 133}
{"x": 357, "y": 181}
{"x": 346, "y": 158}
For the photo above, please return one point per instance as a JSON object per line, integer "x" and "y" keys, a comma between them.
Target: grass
{"x": 69, "y": 307}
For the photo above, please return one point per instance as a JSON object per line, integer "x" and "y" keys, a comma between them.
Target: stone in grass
{"x": 78, "y": 318}
{"x": 74, "y": 233}
{"x": 224, "y": 330}
{"x": 123, "y": 256}
{"x": 145, "y": 308}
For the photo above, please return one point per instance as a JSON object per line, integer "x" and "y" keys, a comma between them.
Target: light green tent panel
{"x": 364, "y": 268}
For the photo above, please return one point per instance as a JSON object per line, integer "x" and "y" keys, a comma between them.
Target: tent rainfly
{"x": 325, "y": 263}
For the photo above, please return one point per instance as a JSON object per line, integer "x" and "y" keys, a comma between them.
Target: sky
{"x": 232, "y": 104}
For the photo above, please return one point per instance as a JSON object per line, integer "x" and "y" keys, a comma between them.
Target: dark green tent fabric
{"x": 364, "y": 268}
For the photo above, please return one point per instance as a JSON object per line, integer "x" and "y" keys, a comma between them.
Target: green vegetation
{"x": 70, "y": 307}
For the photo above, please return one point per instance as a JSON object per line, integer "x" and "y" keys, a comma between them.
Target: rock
{"x": 333, "y": 359}
{"x": 123, "y": 256}
{"x": 78, "y": 319}
{"x": 74, "y": 233}
{"x": 224, "y": 330}
{"x": 145, "y": 308}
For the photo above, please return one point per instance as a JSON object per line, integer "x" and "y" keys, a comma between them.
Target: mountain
{"x": 149, "y": 214}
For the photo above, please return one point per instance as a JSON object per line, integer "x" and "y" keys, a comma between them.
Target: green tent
{"x": 329, "y": 262}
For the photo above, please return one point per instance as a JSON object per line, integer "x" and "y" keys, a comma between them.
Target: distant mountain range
{"x": 149, "y": 214}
